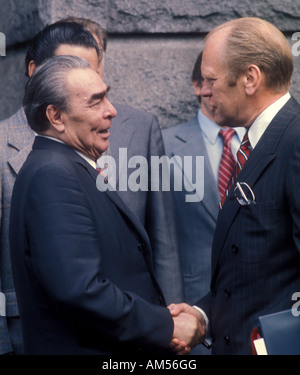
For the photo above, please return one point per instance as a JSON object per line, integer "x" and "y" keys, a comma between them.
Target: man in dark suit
{"x": 247, "y": 68}
{"x": 82, "y": 262}
{"x": 136, "y": 130}
{"x": 16, "y": 139}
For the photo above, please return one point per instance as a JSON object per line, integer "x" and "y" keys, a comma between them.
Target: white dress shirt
{"x": 262, "y": 121}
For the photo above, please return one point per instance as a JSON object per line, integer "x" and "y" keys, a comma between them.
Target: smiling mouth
{"x": 105, "y": 131}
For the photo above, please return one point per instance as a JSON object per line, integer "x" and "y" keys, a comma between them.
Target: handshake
{"x": 189, "y": 328}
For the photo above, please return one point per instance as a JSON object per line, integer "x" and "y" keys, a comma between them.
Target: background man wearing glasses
{"x": 247, "y": 68}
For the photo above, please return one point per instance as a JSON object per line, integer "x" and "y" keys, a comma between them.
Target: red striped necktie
{"x": 242, "y": 156}
{"x": 102, "y": 174}
{"x": 227, "y": 163}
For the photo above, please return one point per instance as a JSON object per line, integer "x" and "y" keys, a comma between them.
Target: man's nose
{"x": 206, "y": 89}
{"x": 110, "y": 110}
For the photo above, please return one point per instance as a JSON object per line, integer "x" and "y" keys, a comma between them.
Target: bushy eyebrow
{"x": 98, "y": 95}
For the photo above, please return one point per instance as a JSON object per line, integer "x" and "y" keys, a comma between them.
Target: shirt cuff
{"x": 207, "y": 340}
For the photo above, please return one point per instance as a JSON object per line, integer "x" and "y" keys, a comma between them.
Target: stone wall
{"x": 152, "y": 45}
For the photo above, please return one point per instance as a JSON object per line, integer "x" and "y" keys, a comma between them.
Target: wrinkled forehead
{"x": 214, "y": 53}
{"x": 83, "y": 83}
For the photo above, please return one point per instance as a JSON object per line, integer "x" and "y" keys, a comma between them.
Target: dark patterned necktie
{"x": 242, "y": 156}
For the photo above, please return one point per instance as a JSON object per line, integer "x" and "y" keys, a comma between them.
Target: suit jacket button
{"x": 235, "y": 249}
{"x": 227, "y": 293}
{"x": 226, "y": 340}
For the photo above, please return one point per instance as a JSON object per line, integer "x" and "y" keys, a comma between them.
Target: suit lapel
{"x": 115, "y": 198}
{"x": 118, "y": 202}
{"x": 262, "y": 155}
{"x": 17, "y": 161}
{"x": 121, "y": 137}
{"x": 190, "y": 142}
{"x": 20, "y": 137}
{"x": 45, "y": 143}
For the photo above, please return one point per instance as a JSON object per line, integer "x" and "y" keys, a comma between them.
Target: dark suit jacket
{"x": 140, "y": 133}
{"x": 256, "y": 248}
{"x": 82, "y": 262}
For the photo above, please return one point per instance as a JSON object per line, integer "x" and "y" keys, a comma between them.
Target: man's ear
{"x": 197, "y": 88}
{"x": 54, "y": 115}
{"x": 31, "y": 68}
{"x": 252, "y": 79}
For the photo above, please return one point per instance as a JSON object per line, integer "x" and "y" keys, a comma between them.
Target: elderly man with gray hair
{"x": 81, "y": 260}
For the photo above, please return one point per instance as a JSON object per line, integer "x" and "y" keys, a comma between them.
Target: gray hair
{"x": 47, "y": 86}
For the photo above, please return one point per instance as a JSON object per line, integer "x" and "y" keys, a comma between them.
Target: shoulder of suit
{"x": 125, "y": 111}
{"x": 53, "y": 158}
{"x": 17, "y": 122}
{"x": 185, "y": 126}
{"x": 16, "y": 131}
{"x": 18, "y": 116}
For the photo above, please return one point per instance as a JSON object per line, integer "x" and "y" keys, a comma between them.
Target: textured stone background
{"x": 152, "y": 45}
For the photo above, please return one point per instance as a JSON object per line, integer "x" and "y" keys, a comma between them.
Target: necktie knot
{"x": 227, "y": 135}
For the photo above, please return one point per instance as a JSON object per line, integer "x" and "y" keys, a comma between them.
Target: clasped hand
{"x": 189, "y": 328}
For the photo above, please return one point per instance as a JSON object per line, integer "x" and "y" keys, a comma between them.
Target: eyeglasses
{"x": 244, "y": 194}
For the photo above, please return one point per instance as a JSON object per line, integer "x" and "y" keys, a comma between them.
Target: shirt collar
{"x": 89, "y": 160}
{"x": 261, "y": 122}
{"x": 211, "y": 130}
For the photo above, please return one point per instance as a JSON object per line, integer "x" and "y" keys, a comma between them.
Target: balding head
{"x": 251, "y": 40}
